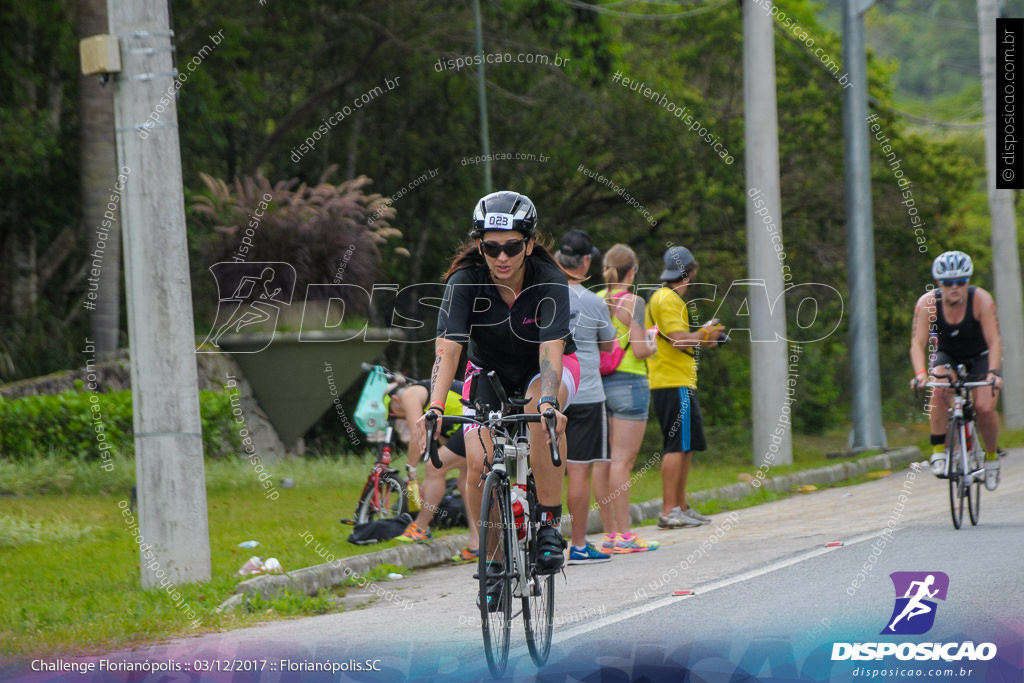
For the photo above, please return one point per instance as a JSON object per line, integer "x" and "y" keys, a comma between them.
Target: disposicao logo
{"x": 916, "y": 592}
{"x": 913, "y": 615}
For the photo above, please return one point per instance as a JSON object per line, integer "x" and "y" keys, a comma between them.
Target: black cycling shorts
{"x": 977, "y": 366}
{"x": 457, "y": 443}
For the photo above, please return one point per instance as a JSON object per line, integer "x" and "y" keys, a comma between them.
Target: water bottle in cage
{"x": 519, "y": 510}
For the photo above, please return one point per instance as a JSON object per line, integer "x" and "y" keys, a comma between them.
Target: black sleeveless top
{"x": 965, "y": 339}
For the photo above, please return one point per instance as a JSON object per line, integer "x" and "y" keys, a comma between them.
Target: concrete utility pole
{"x": 1005, "y": 263}
{"x": 481, "y": 88}
{"x": 868, "y": 432}
{"x": 168, "y": 440}
{"x": 768, "y": 359}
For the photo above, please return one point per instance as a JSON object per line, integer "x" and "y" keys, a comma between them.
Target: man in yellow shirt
{"x": 672, "y": 372}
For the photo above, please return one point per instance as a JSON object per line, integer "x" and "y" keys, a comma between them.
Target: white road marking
{"x": 706, "y": 588}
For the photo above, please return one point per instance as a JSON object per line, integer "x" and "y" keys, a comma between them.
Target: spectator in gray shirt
{"x": 587, "y": 429}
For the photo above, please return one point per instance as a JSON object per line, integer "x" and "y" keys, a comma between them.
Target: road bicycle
{"x": 384, "y": 495}
{"x": 508, "y": 530}
{"x": 965, "y": 460}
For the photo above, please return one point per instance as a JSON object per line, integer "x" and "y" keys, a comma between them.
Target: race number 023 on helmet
{"x": 504, "y": 210}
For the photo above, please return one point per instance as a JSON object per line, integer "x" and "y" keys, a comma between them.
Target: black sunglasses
{"x": 512, "y": 248}
{"x": 949, "y": 283}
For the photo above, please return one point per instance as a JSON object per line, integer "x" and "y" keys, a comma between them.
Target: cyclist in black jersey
{"x": 963, "y": 320}
{"x": 508, "y": 300}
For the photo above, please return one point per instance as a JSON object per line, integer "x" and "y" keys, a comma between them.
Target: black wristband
{"x": 553, "y": 400}
{"x": 997, "y": 372}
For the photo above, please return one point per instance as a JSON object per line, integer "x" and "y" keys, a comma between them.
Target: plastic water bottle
{"x": 413, "y": 487}
{"x": 519, "y": 506}
{"x": 652, "y": 338}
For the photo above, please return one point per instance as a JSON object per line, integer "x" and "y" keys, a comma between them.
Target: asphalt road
{"x": 770, "y": 599}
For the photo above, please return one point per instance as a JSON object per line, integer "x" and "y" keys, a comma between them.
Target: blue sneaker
{"x": 588, "y": 554}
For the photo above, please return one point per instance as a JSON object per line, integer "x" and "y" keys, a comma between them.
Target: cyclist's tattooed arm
{"x": 551, "y": 367}
{"x": 446, "y": 358}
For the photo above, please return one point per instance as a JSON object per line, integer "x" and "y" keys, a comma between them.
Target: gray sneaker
{"x": 676, "y": 519}
{"x": 991, "y": 474}
{"x": 669, "y": 522}
{"x": 693, "y": 514}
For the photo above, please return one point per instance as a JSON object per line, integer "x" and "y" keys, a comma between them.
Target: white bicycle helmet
{"x": 952, "y": 265}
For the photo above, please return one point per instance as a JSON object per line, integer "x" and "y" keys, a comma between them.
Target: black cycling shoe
{"x": 495, "y": 584}
{"x": 550, "y": 550}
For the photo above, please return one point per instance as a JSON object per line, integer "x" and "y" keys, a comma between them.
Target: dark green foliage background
{"x": 283, "y": 68}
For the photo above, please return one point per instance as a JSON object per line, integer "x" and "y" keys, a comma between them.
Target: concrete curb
{"x": 311, "y": 579}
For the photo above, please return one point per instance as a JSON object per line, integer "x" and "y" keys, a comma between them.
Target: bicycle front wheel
{"x": 975, "y": 462}
{"x": 958, "y": 483}
{"x": 539, "y": 602}
{"x": 497, "y": 529}
{"x": 383, "y": 498}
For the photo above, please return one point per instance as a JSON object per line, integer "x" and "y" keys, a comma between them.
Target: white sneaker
{"x": 938, "y": 463}
{"x": 991, "y": 474}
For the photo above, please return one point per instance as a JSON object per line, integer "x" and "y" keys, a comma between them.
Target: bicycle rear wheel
{"x": 975, "y": 461}
{"x": 957, "y": 477}
{"x": 383, "y": 498}
{"x": 497, "y": 530}
{"x": 539, "y": 603}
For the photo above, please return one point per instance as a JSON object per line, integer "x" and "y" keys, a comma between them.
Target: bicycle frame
{"x": 961, "y": 398}
{"x": 962, "y": 427}
{"x": 501, "y": 440}
{"x": 518, "y": 555}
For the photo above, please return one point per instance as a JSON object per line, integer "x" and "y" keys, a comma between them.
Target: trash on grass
{"x": 248, "y": 544}
{"x": 252, "y": 567}
{"x": 273, "y": 566}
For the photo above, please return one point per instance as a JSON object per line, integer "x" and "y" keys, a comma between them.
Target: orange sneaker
{"x": 414, "y": 534}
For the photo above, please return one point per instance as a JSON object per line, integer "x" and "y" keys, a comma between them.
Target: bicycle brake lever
{"x": 435, "y": 458}
{"x": 549, "y": 422}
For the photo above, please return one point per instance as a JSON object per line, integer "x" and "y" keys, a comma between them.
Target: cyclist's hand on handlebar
{"x": 996, "y": 380}
{"x": 437, "y": 425}
{"x": 560, "y": 421}
{"x": 918, "y": 382}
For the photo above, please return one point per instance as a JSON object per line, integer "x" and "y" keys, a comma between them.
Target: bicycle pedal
{"x": 348, "y": 522}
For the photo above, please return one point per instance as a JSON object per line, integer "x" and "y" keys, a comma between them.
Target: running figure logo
{"x": 250, "y": 295}
{"x": 914, "y": 612}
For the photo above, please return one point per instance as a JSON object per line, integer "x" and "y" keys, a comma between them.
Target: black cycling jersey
{"x": 965, "y": 339}
{"x": 504, "y": 338}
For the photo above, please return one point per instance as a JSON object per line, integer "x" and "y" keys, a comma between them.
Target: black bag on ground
{"x": 451, "y": 511}
{"x": 379, "y": 530}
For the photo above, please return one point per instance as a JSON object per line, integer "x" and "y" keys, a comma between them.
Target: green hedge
{"x": 64, "y": 424}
